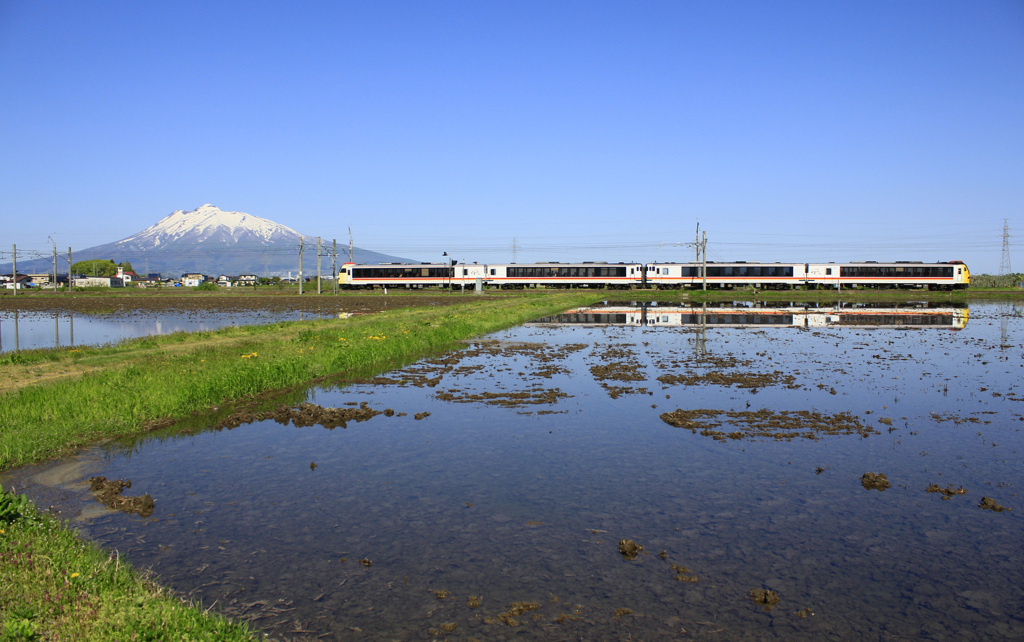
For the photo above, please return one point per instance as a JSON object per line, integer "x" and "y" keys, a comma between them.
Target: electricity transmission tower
{"x": 1004, "y": 263}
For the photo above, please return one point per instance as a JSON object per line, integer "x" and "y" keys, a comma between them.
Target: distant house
{"x": 152, "y": 279}
{"x": 39, "y": 280}
{"x": 226, "y": 281}
{"x": 98, "y": 282}
{"x": 23, "y": 281}
{"x": 127, "y": 276}
{"x": 192, "y": 279}
{"x": 248, "y": 279}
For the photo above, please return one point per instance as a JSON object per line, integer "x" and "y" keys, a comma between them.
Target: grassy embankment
{"x": 55, "y": 586}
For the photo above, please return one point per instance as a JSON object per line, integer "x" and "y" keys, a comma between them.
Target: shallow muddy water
{"x": 508, "y": 489}
{"x": 26, "y": 330}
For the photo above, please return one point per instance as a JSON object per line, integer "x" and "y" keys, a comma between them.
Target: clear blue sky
{"x": 800, "y": 131}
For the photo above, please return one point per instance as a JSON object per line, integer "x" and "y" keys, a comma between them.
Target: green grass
{"x": 55, "y": 586}
{"x": 121, "y": 389}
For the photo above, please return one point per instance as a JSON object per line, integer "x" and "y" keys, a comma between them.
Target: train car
{"x": 724, "y": 275}
{"x": 898, "y": 274}
{"x": 565, "y": 275}
{"x": 405, "y": 275}
{"x": 951, "y": 275}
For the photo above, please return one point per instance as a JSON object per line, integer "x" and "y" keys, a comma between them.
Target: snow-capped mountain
{"x": 212, "y": 241}
{"x": 211, "y": 224}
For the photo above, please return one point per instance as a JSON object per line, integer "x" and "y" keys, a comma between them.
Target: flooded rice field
{"x": 622, "y": 471}
{"x": 28, "y": 321}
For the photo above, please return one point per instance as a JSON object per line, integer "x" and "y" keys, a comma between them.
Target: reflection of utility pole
{"x": 701, "y": 336}
{"x": 1004, "y": 263}
{"x": 1012, "y": 311}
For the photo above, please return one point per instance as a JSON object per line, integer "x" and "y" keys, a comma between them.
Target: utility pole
{"x": 696, "y": 243}
{"x": 350, "y": 260}
{"x": 1004, "y": 263}
{"x": 515, "y": 249}
{"x": 70, "y": 283}
{"x": 334, "y": 263}
{"x": 704, "y": 255}
{"x": 318, "y": 265}
{"x": 14, "y": 268}
{"x": 300, "y": 264}
{"x": 55, "y": 268}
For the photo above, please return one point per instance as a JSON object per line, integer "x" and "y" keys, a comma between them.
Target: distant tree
{"x": 95, "y": 267}
{"x": 997, "y": 280}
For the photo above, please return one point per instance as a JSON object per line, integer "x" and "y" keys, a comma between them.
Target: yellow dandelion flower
{"x": 74, "y": 575}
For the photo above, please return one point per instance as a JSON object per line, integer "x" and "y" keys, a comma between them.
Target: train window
{"x": 828, "y": 270}
{"x": 664, "y": 270}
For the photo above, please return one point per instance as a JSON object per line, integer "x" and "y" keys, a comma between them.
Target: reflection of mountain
{"x": 786, "y": 315}
{"x": 211, "y": 241}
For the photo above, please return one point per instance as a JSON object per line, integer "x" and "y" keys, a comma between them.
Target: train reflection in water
{"x": 789, "y": 315}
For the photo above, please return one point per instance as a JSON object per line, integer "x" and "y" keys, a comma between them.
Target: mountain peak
{"x": 210, "y": 240}
{"x": 209, "y": 222}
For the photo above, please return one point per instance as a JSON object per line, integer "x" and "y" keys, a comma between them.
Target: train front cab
{"x": 345, "y": 275}
{"x": 961, "y": 275}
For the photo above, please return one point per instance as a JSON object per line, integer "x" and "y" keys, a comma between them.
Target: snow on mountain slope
{"x": 210, "y": 223}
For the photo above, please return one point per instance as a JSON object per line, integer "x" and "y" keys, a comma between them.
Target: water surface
{"x": 501, "y": 511}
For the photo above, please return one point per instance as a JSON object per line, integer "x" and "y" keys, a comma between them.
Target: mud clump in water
{"x": 987, "y": 503}
{"x": 303, "y": 415}
{"x": 629, "y": 548}
{"x": 874, "y": 481}
{"x": 109, "y": 492}
{"x": 683, "y": 574}
{"x": 511, "y": 616}
{"x": 750, "y": 424}
{"x": 765, "y": 597}
{"x": 947, "y": 492}
{"x": 747, "y": 380}
{"x": 506, "y": 399}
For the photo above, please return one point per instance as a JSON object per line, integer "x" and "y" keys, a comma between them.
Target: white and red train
{"x": 898, "y": 274}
